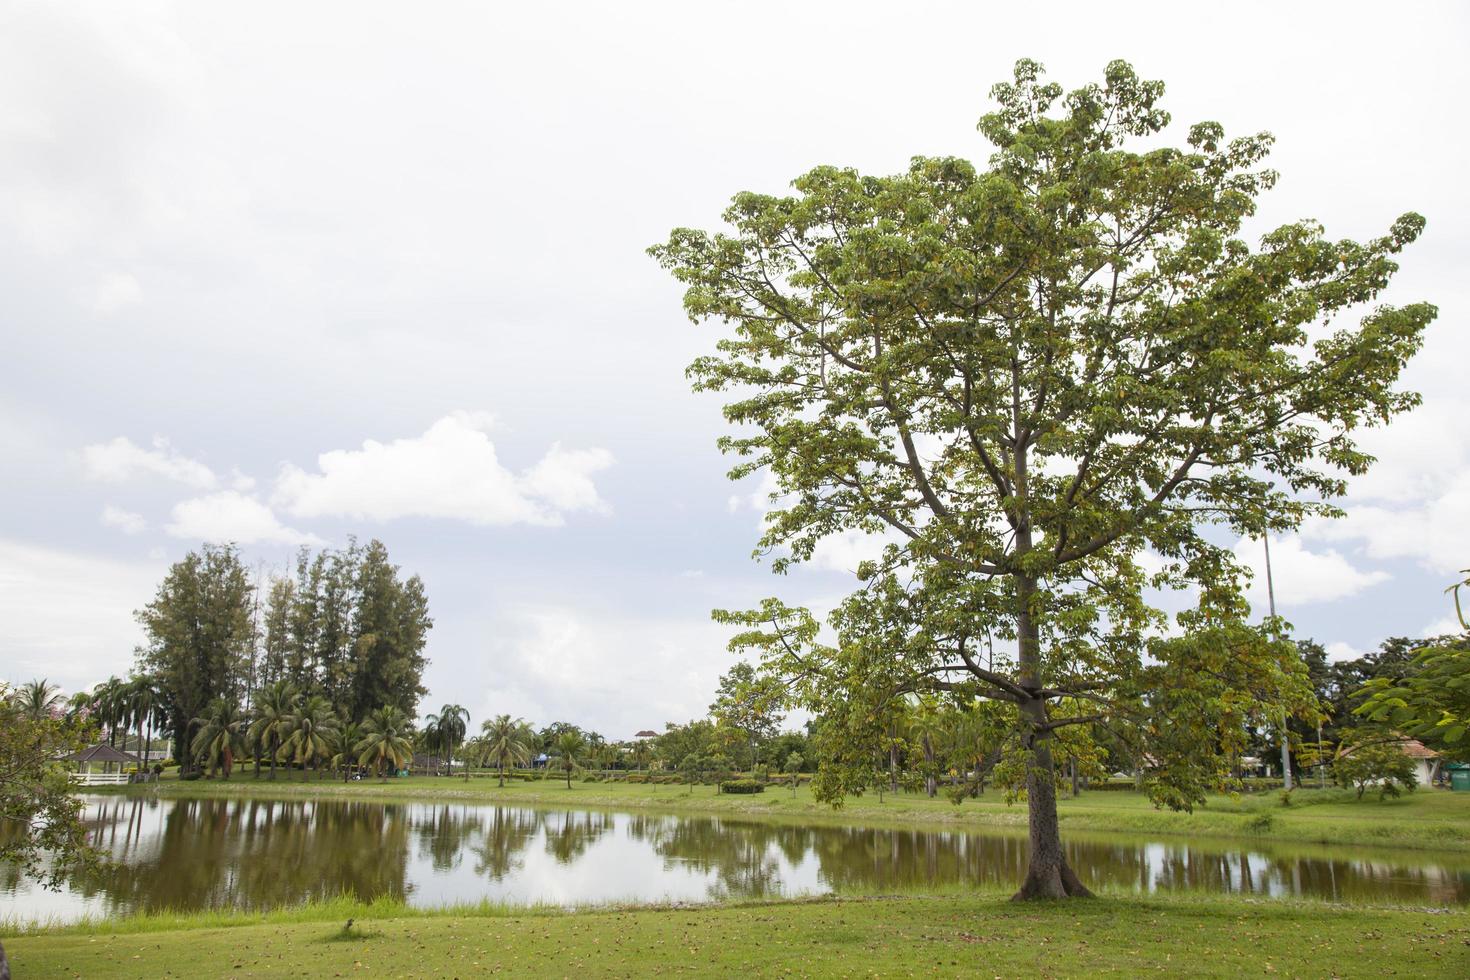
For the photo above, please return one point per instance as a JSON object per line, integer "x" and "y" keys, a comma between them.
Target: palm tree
{"x": 38, "y": 700}
{"x": 449, "y": 726}
{"x": 507, "y": 742}
{"x": 111, "y": 699}
{"x": 274, "y": 716}
{"x": 386, "y": 734}
{"x": 145, "y": 707}
{"x": 642, "y": 752}
{"x": 220, "y": 737}
{"x": 348, "y": 735}
{"x": 569, "y": 746}
{"x": 313, "y": 734}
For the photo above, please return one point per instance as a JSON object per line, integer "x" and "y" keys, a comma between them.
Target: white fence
{"x": 100, "y": 778}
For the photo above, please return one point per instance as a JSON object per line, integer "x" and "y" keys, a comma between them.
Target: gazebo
{"x": 108, "y": 757}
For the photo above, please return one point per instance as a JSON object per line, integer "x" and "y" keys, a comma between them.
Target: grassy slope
{"x": 947, "y": 936}
{"x": 1428, "y": 819}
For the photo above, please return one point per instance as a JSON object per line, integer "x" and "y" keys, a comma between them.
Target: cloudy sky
{"x": 280, "y": 273}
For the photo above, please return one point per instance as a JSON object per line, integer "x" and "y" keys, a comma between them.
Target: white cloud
{"x": 1415, "y": 500}
{"x": 116, "y": 291}
{"x": 124, "y": 520}
{"x": 1444, "y": 626}
{"x": 451, "y": 471}
{"x": 758, "y": 498}
{"x": 232, "y": 516}
{"x": 1301, "y": 577}
{"x": 121, "y": 459}
{"x": 1433, "y": 530}
{"x": 616, "y": 674}
{"x": 69, "y": 617}
{"x": 843, "y": 552}
{"x": 1341, "y": 651}
{"x": 563, "y": 479}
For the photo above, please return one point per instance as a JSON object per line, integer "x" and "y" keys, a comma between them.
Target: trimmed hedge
{"x": 742, "y": 786}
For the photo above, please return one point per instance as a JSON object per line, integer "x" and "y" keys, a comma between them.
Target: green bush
{"x": 742, "y": 786}
{"x": 1379, "y": 764}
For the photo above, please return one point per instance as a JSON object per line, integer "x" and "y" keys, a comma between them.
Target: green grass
{"x": 1428, "y": 819}
{"x": 946, "y": 935}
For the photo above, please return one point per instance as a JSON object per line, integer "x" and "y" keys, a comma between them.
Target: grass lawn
{"x": 1429, "y": 819}
{"x": 930, "y": 936}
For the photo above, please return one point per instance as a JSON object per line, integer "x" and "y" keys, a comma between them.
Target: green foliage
{"x": 740, "y": 786}
{"x": 386, "y": 742}
{"x": 350, "y": 628}
{"x": 43, "y": 836}
{"x": 505, "y": 743}
{"x": 273, "y": 717}
{"x": 219, "y": 736}
{"x": 1197, "y": 698}
{"x": 751, "y": 702}
{"x": 1370, "y": 759}
{"x": 1431, "y": 704}
{"x": 1018, "y": 377}
{"x": 198, "y": 638}
{"x": 569, "y": 747}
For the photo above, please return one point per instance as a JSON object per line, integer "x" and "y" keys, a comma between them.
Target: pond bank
{"x": 1429, "y": 819}
{"x": 946, "y": 935}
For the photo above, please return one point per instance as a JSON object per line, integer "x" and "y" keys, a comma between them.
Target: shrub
{"x": 742, "y": 786}
{"x": 1381, "y": 762}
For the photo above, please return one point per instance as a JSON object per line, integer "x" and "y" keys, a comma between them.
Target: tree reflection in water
{"x": 446, "y": 831}
{"x": 569, "y": 834}
{"x": 254, "y": 854}
{"x": 508, "y": 833}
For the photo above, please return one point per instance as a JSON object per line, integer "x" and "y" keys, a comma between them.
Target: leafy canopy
{"x": 1020, "y": 377}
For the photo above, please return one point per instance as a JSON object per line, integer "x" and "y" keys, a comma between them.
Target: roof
{"x": 646, "y": 734}
{"x": 1415, "y": 749}
{"x": 100, "y": 753}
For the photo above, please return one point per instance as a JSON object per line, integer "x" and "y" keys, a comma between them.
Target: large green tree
{"x": 506, "y": 741}
{"x": 198, "y": 638}
{"x": 350, "y": 628}
{"x": 751, "y": 702}
{"x": 1024, "y": 375}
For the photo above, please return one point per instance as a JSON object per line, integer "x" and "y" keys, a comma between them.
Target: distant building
{"x": 1426, "y": 760}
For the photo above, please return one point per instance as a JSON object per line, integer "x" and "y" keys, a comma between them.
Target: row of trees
{"x": 286, "y": 726}
{"x": 348, "y": 630}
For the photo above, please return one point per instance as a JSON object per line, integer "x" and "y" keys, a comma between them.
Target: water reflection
{"x": 261, "y": 853}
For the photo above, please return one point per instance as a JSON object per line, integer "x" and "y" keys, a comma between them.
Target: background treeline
{"x": 347, "y": 629}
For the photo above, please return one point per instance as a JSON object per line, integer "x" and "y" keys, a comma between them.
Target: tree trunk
{"x": 502, "y": 775}
{"x": 1049, "y": 875}
{"x": 1072, "y": 765}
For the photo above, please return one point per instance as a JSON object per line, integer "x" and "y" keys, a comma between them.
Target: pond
{"x": 257, "y": 853}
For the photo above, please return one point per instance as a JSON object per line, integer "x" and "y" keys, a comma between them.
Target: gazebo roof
{"x": 646, "y": 734}
{"x": 100, "y": 753}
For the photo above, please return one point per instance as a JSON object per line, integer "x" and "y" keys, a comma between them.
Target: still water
{"x": 196, "y": 854}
